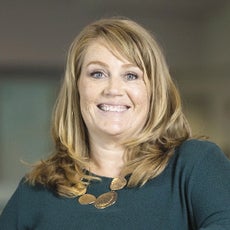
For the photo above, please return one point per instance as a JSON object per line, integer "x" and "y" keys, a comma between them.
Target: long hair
{"x": 146, "y": 155}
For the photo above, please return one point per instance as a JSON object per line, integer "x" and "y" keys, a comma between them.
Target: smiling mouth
{"x": 113, "y": 108}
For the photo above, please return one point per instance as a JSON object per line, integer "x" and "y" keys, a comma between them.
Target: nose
{"x": 114, "y": 86}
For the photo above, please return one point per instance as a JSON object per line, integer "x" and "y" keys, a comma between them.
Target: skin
{"x": 114, "y": 103}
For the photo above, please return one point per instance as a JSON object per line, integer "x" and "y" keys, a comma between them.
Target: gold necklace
{"x": 106, "y": 199}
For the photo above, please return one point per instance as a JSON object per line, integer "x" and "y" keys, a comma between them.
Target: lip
{"x": 107, "y": 107}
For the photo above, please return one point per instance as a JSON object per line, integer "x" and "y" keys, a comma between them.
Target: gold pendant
{"x": 87, "y": 199}
{"x": 105, "y": 200}
{"x": 118, "y": 183}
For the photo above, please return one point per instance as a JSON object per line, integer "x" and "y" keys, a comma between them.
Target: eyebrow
{"x": 97, "y": 63}
{"x": 105, "y": 65}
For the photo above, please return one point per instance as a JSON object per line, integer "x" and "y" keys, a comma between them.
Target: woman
{"x": 124, "y": 156}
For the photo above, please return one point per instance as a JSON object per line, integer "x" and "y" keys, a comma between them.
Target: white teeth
{"x": 113, "y": 108}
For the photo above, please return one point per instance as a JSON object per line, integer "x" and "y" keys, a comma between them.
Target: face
{"x": 114, "y": 100}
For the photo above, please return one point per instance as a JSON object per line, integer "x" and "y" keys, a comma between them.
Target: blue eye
{"x": 96, "y": 74}
{"x": 131, "y": 76}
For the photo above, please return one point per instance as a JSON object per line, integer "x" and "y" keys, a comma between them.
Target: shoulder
{"x": 202, "y": 171}
{"x": 193, "y": 153}
{"x": 27, "y": 191}
{"x": 24, "y": 198}
{"x": 200, "y": 164}
{"x": 28, "y": 196}
{"x": 198, "y": 146}
{"x": 26, "y": 186}
{"x": 194, "y": 149}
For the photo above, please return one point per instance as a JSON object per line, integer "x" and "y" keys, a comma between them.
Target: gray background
{"x": 35, "y": 36}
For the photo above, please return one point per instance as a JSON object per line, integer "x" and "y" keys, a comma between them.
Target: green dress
{"x": 193, "y": 192}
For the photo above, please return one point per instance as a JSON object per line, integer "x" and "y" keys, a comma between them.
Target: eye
{"x": 131, "y": 76}
{"x": 97, "y": 74}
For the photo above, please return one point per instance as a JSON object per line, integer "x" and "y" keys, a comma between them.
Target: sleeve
{"x": 210, "y": 190}
{"x": 10, "y": 214}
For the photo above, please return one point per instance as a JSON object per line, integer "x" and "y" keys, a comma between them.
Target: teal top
{"x": 193, "y": 192}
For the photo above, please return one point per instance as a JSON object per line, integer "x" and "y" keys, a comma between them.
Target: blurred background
{"x": 34, "y": 39}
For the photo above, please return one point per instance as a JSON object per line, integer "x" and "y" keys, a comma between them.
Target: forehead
{"x": 98, "y": 50}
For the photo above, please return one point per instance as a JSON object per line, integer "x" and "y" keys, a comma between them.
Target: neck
{"x": 106, "y": 159}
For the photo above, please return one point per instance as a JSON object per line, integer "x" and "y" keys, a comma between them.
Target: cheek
{"x": 83, "y": 96}
{"x": 85, "y": 91}
{"x": 87, "y": 101}
{"x": 140, "y": 96}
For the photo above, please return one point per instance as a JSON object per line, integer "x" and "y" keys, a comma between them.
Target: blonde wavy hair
{"x": 147, "y": 155}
